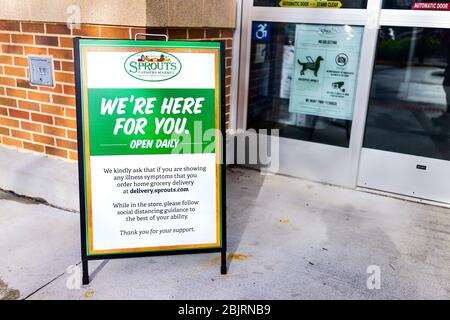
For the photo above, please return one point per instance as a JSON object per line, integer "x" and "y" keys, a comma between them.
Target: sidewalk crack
{"x": 33, "y": 200}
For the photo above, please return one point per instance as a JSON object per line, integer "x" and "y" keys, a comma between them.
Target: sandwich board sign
{"x": 150, "y": 122}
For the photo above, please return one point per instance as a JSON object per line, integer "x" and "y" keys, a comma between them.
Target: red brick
{"x": 73, "y": 155}
{"x": 56, "y": 89}
{"x": 9, "y": 25}
{"x": 53, "y": 131}
{"x": 43, "y": 139}
{"x": 212, "y": 33}
{"x": 71, "y": 113}
{"x": 23, "y": 83}
{"x": 177, "y": 33}
{"x": 66, "y": 42}
{"x": 7, "y": 81}
{"x": 56, "y": 152}
{"x": 15, "y": 113}
{"x": 66, "y": 144}
{"x": 21, "y": 134}
{"x": 196, "y": 33}
{"x": 22, "y": 38}
{"x": 33, "y": 146}
{"x": 67, "y": 66}
{"x": 3, "y": 111}
{"x": 54, "y": 110}
{"x": 57, "y": 64}
{"x": 115, "y": 32}
{"x": 4, "y": 131}
{"x": 31, "y": 126}
{"x": 28, "y": 105}
{"x": 6, "y": 59}
{"x": 41, "y": 118}
{"x": 57, "y": 28}
{"x": 87, "y": 31}
{"x": 4, "y": 101}
{"x": 65, "y": 54}
{"x": 12, "y": 142}
{"x": 15, "y": 71}
{"x": 4, "y": 37}
{"x": 9, "y": 122}
{"x": 18, "y": 93}
{"x": 21, "y": 61}
{"x": 33, "y": 27}
{"x": 228, "y": 72}
{"x": 35, "y": 51}
{"x": 72, "y": 134}
{"x": 46, "y": 41}
{"x": 227, "y": 62}
{"x": 226, "y": 33}
{"x": 65, "y": 77}
{"x": 68, "y": 101}
{"x": 138, "y": 30}
{"x": 44, "y": 97}
{"x": 68, "y": 123}
{"x": 12, "y": 49}
{"x": 155, "y": 31}
{"x": 68, "y": 89}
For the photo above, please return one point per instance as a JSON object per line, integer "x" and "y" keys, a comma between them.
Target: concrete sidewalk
{"x": 288, "y": 239}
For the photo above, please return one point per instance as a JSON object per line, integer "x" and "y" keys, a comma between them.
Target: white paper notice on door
{"x": 325, "y": 70}
{"x": 287, "y": 69}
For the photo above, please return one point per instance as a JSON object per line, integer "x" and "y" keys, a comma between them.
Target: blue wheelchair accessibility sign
{"x": 261, "y": 31}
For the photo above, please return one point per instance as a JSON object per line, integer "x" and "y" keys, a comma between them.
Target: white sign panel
{"x": 325, "y": 70}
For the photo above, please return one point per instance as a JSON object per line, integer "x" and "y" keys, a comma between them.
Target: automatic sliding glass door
{"x": 303, "y": 72}
{"x": 303, "y": 80}
{"x": 406, "y": 146}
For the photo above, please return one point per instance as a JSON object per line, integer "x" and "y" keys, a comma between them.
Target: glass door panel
{"x": 409, "y": 107}
{"x": 303, "y": 80}
{"x": 300, "y": 73}
{"x": 408, "y": 120}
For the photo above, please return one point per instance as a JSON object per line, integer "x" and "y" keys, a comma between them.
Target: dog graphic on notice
{"x": 310, "y": 65}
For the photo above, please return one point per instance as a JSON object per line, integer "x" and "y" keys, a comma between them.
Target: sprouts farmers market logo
{"x": 152, "y": 66}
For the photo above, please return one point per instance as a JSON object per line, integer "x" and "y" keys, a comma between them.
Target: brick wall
{"x": 42, "y": 119}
